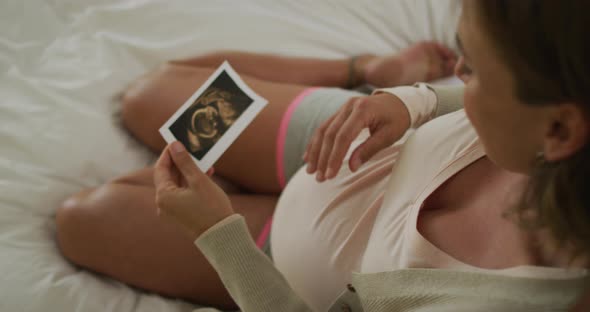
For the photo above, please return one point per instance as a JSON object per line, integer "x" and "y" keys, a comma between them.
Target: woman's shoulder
{"x": 442, "y": 139}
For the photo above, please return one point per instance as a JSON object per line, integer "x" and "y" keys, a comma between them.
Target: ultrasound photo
{"x": 214, "y": 116}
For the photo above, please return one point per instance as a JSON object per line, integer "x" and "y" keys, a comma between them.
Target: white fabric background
{"x": 62, "y": 63}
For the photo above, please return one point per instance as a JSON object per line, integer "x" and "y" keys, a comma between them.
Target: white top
{"x": 366, "y": 221}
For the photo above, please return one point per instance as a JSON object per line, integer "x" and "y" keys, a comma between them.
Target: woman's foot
{"x": 424, "y": 61}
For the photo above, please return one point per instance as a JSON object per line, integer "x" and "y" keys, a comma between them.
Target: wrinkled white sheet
{"x": 62, "y": 63}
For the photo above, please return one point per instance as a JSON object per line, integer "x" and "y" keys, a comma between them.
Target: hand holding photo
{"x": 214, "y": 116}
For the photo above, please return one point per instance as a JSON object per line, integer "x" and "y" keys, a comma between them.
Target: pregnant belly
{"x": 320, "y": 230}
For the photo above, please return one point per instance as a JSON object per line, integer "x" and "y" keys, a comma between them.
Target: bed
{"x": 63, "y": 64}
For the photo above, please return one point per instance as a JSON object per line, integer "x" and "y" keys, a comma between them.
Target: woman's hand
{"x": 384, "y": 114}
{"x": 185, "y": 194}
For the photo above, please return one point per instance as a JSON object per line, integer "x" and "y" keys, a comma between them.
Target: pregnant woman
{"x": 482, "y": 209}
{"x": 114, "y": 230}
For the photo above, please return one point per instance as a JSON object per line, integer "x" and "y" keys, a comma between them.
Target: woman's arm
{"x": 248, "y": 274}
{"x": 187, "y": 196}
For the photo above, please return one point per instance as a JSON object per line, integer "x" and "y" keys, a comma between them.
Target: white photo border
{"x": 230, "y": 134}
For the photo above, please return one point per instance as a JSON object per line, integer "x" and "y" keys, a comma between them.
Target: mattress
{"x": 63, "y": 64}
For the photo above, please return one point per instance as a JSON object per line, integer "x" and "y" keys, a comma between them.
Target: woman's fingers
{"x": 183, "y": 161}
{"x": 369, "y": 148}
{"x": 349, "y": 130}
{"x": 330, "y": 136}
{"x": 445, "y": 52}
{"x": 315, "y": 144}
{"x": 450, "y": 60}
{"x": 163, "y": 172}
{"x": 192, "y": 201}
{"x": 445, "y": 58}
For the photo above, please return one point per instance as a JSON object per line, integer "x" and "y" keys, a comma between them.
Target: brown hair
{"x": 545, "y": 44}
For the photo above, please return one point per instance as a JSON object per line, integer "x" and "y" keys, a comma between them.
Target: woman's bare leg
{"x": 114, "y": 230}
{"x": 422, "y": 61}
{"x": 283, "y": 69}
{"x": 153, "y": 98}
{"x": 250, "y": 161}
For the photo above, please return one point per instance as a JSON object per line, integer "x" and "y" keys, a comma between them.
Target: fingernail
{"x": 320, "y": 176}
{"x": 177, "y": 147}
{"x": 329, "y": 173}
{"x": 310, "y": 168}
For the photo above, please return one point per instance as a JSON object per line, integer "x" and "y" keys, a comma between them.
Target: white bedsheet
{"x": 62, "y": 62}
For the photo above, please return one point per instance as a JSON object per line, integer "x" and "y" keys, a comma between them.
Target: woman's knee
{"x": 71, "y": 220}
{"x": 147, "y": 103}
{"x": 136, "y": 99}
{"x": 79, "y": 221}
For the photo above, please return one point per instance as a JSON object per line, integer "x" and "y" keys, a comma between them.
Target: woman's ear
{"x": 568, "y": 132}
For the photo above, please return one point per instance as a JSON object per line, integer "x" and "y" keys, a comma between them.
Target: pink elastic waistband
{"x": 280, "y": 152}
{"x": 282, "y": 136}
